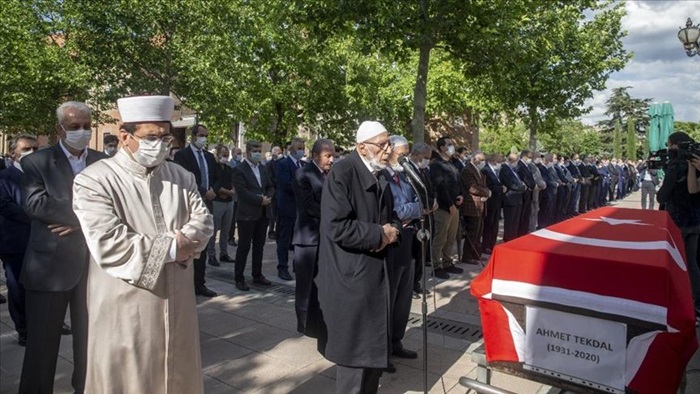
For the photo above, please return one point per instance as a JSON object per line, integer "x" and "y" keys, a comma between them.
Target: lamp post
{"x": 690, "y": 38}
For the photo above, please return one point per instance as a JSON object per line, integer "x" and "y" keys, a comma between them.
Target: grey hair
{"x": 297, "y": 139}
{"x": 80, "y": 106}
{"x": 549, "y": 157}
{"x": 15, "y": 140}
{"x": 420, "y": 148}
{"x": 477, "y": 153}
{"x": 322, "y": 144}
{"x": 397, "y": 140}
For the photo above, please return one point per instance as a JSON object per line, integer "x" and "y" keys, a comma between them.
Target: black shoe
{"x": 441, "y": 273}
{"x": 65, "y": 329}
{"x": 226, "y": 259}
{"x": 454, "y": 270}
{"x": 232, "y": 242}
{"x": 262, "y": 281}
{"x": 272, "y": 235}
{"x": 22, "y": 340}
{"x": 2, "y": 299}
{"x": 404, "y": 353}
{"x": 284, "y": 274}
{"x": 242, "y": 286}
{"x": 419, "y": 290}
{"x": 390, "y": 368}
{"x": 204, "y": 292}
{"x": 213, "y": 262}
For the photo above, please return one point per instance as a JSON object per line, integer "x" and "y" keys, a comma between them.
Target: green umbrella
{"x": 666, "y": 123}
{"x": 654, "y": 134}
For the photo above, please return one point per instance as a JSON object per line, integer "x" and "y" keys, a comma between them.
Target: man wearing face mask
{"x": 513, "y": 198}
{"x": 54, "y": 274}
{"x": 540, "y": 185}
{"x": 529, "y": 181}
{"x": 286, "y": 205}
{"x": 473, "y": 208}
{"x": 446, "y": 181}
{"x": 253, "y": 188}
{"x": 111, "y": 143}
{"x": 197, "y": 160}
{"x": 236, "y": 159}
{"x": 223, "y": 205}
{"x": 494, "y": 203}
{"x": 14, "y": 230}
{"x": 141, "y": 304}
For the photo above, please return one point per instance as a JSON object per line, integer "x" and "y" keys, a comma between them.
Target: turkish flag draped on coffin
{"x": 625, "y": 265}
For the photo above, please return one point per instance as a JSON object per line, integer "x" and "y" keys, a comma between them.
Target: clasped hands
{"x": 389, "y": 236}
{"x": 186, "y": 248}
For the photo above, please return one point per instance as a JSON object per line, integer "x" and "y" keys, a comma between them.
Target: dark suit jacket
{"x": 424, "y": 174}
{"x": 250, "y": 193}
{"x": 525, "y": 175}
{"x": 474, "y": 190}
{"x": 284, "y": 173}
{"x": 52, "y": 263}
{"x": 516, "y": 188}
{"x": 493, "y": 182}
{"x": 14, "y": 222}
{"x": 551, "y": 191}
{"x": 573, "y": 169}
{"x": 307, "y": 187}
{"x": 185, "y": 157}
{"x": 445, "y": 179}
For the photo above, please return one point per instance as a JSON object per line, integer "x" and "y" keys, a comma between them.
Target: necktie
{"x": 396, "y": 178}
{"x": 203, "y": 170}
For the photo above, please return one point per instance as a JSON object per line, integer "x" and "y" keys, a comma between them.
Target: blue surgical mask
{"x": 299, "y": 154}
{"x": 256, "y": 157}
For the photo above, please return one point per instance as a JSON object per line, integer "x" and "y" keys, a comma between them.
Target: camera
{"x": 665, "y": 157}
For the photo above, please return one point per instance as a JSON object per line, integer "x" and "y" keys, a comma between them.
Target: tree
{"x": 38, "y": 73}
{"x": 621, "y": 106}
{"x": 617, "y": 140}
{"x": 560, "y": 58}
{"x": 631, "y": 140}
{"x": 571, "y": 136}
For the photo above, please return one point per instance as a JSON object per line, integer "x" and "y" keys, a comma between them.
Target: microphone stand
{"x": 423, "y": 236}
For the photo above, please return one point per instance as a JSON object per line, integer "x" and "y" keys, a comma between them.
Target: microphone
{"x": 408, "y": 169}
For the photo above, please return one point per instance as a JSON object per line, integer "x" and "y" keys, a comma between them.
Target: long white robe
{"x": 143, "y": 332}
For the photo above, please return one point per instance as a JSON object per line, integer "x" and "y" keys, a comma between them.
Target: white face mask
{"x": 110, "y": 151}
{"x": 77, "y": 139}
{"x": 150, "y": 153}
{"x": 223, "y": 160}
{"x": 424, "y": 164}
{"x": 527, "y": 160}
{"x": 497, "y": 167}
{"x": 481, "y": 165}
{"x": 397, "y": 167}
{"x": 200, "y": 142}
{"x": 451, "y": 150}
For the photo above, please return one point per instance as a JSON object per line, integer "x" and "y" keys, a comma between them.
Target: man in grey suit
{"x": 56, "y": 260}
{"x": 540, "y": 184}
{"x": 253, "y": 188}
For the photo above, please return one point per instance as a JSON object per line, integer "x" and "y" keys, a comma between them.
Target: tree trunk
{"x": 420, "y": 94}
{"x": 533, "y": 128}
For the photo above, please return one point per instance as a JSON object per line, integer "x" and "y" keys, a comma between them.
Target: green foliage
{"x": 691, "y": 128}
{"x": 617, "y": 140}
{"x": 37, "y": 73}
{"x": 571, "y": 136}
{"x": 622, "y": 106}
{"x": 631, "y": 140}
{"x": 500, "y": 138}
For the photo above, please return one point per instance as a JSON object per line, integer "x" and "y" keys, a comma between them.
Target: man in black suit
{"x": 307, "y": 187}
{"x": 595, "y": 183}
{"x": 526, "y": 177}
{"x": 201, "y": 164}
{"x": 548, "y": 196}
{"x": 586, "y": 177}
{"x": 614, "y": 172}
{"x": 253, "y": 187}
{"x": 286, "y": 207}
{"x": 576, "y": 189}
{"x": 513, "y": 199}
{"x": 56, "y": 261}
{"x": 14, "y": 230}
{"x": 494, "y": 204}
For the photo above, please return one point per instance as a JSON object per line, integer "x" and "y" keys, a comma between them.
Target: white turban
{"x": 368, "y": 130}
{"x": 146, "y": 109}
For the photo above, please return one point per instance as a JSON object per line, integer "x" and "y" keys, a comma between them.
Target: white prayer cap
{"x": 397, "y": 141}
{"x": 146, "y": 109}
{"x": 368, "y": 130}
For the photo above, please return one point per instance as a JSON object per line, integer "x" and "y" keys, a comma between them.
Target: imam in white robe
{"x": 143, "y": 334}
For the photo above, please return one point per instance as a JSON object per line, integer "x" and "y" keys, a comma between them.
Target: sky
{"x": 660, "y": 68}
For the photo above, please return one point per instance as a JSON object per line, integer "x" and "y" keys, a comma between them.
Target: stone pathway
{"x": 249, "y": 342}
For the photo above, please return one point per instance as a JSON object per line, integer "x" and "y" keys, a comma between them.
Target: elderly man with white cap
{"x": 144, "y": 221}
{"x": 357, "y": 224}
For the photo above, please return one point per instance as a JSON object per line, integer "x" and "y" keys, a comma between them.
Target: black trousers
{"x": 45, "y": 313}
{"x": 306, "y": 292}
{"x": 200, "y": 263}
{"x": 525, "y": 213}
{"x": 285, "y": 231}
{"x": 232, "y": 233}
{"x": 583, "y": 200}
{"x": 250, "y": 232}
{"x": 544, "y": 216}
{"x": 401, "y": 281}
{"x": 12, "y": 263}
{"x": 559, "y": 211}
{"x": 351, "y": 380}
{"x": 593, "y": 196}
{"x": 511, "y": 222}
{"x": 473, "y": 228}
{"x": 491, "y": 220}
{"x": 611, "y": 188}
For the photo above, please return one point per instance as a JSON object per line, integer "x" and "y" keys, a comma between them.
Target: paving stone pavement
{"x": 249, "y": 342}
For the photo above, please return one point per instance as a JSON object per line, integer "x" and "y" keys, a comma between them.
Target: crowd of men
{"x": 123, "y": 237}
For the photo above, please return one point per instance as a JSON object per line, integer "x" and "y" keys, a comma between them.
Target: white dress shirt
{"x": 256, "y": 171}
{"x": 77, "y": 164}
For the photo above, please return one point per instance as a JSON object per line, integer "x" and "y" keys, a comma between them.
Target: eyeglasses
{"x": 167, "y": 139}
{"x": 383, "y": 146}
